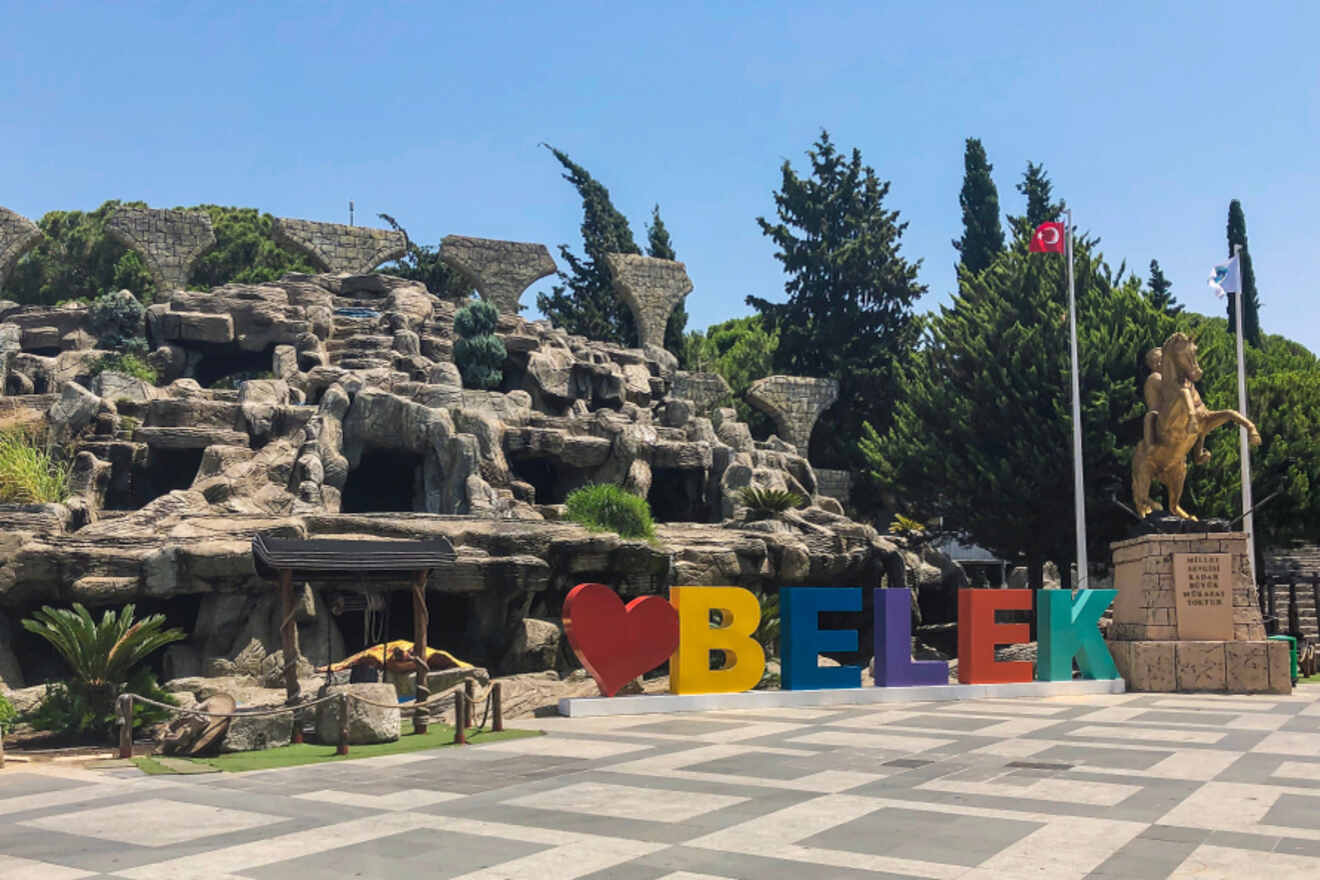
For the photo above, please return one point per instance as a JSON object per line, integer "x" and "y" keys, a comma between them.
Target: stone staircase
{"x": 1306, "y": 602}
{"x": 360, "y": 343}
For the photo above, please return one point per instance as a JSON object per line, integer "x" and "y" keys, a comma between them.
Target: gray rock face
{"x": 169, "y": 242}
{"x": 334, "y": 247}
{"x": 795, "y": 403}
{"x": 73, "y": 411}
{"x": 253, "y": 733}
{"x": 367, "y": 723}
{"x": 18, "y": 235}
{"x": 499, "y": 270}
{"x": 651, "y": 288}
{"x": 535, "y": 647}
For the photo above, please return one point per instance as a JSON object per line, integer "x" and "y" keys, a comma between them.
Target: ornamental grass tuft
{"x": 605, "y": 507}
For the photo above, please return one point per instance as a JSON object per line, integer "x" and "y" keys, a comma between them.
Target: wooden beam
{"x": 421, "y": 623}
{"x": 289, "y": 638}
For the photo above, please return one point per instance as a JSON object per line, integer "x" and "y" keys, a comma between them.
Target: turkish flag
{"x": 1048, "y": 239}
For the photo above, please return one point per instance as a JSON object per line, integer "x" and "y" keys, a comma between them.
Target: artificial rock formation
{"x": 651, "y": 288}
{"x": 795, "y": 403}
{"x": 334, "y": 247}
{"x": 169, "y": 242}
{"x": 499, "y": 270}
{"x": 18, "y": 235}
{"x": 329, "y": 406}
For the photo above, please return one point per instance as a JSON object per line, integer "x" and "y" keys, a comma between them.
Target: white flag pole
{"x": 1247, "y": 519}
{"x": 1079, "y": 488}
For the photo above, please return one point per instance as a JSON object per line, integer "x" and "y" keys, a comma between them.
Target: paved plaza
{"x": 1128, "y": 786}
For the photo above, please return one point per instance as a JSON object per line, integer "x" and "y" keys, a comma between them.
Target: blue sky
{"x": 1149, "y": 118}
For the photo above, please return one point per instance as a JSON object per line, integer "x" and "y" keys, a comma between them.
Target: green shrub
{"x": 478, "y": 352}
{"x": 765, "y": 503}
{"x": 104, "y": 657}
{"x": 609, "y": 508}
{"x": 127, "y": 363}
{"x": 8, "y": 715}
{"x": 116, "y": 321}
{"x": 74, "y": 711}
{"x": 31, "y": 470}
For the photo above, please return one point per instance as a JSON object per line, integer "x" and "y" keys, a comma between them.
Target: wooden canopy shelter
{"x": 324, "y": 559}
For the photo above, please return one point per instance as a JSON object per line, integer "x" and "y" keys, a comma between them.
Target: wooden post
{"x": 125, "y": 725}
{"x": 289, "y": 639}
{"x": 496, "y": 707}
{"x": 421, "y": 623}
{"x": 460, "y": 718}
{"x": 343, "y": 725}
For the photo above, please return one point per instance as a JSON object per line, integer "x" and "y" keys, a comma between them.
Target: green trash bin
{"x": 1292, "y": 654}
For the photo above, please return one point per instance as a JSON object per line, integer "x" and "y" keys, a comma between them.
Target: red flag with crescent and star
{"x": 1048, "y": 239}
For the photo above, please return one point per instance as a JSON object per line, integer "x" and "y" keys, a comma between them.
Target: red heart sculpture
{"x": 617, "y": 643}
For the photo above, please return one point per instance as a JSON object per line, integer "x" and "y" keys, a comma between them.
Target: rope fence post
{"x": 343, "y": 725}
{"x": 421, "y": 623}
{"x": 125, "y": 707}
{"x": 497, "y": 707}
{"x": 460, "y": 718}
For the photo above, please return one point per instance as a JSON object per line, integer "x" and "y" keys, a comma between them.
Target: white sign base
{"x": 646, "y": 704}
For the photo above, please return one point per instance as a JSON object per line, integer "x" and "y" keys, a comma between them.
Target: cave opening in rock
{"x": 165, "y": 471}
{"x": 385, "y": 481}
{"x": 678, "y": 495}
{"x": 49, "y": 351}
{"x": 540, "y": 473}
{"x": 227, "y": 369}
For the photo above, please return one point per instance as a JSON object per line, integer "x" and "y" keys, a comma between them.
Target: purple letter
{"x": 894, "y": 666}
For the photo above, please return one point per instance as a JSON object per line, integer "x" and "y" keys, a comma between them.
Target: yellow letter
{"x": 744, "y": 661}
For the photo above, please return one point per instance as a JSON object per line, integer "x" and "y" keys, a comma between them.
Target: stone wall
{"x": 169, "y": 242}
{"x": 651, "y": 288}
{"x": 707, "y": 391}
{"x": 795, "y": 403}
{"x": 499, "y": 270}
{"x": 18, "y": 235}
{"x": 834, "y": 484}
{"x": 334, "y": 247}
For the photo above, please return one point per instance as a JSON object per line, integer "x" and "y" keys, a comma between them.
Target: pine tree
{"x": 1041, "y": 208}
{"x": 850, "y": 293}
{"x": 659, "y": 246}
{"x": 1158, "y": 295}
{"x": 983, "y": 236}
{"x": 585, "y": 302}
{"x": 1237, "y": 235}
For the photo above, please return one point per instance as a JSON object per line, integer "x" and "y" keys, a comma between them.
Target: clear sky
{"x": 1149, "y": 117}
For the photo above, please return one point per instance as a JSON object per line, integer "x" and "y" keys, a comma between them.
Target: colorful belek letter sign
{"x": 617, "y": 643}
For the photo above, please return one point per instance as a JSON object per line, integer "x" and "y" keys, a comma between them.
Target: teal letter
{"x": 1068, "y": 628}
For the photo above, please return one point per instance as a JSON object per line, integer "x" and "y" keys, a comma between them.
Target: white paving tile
{"x": 399, "y": 800}
{"x": 154, "y": 822}
{"x": 1150, "y": 734}
{"x": 1060, "y": 788}
{"x": 1303, "y": 745}
{"x": 14, "y": 868}
{"x": 627, "y": 802}
{"x": 1297, "y": 770}
{"x": 565, "y": 747}
{"x": 1221, "y": 863}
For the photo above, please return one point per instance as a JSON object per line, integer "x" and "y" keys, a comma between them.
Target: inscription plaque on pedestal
{"x": 1203, "y": 595}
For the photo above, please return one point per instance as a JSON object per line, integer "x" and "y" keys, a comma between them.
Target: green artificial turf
{"x": 438, "y": 736}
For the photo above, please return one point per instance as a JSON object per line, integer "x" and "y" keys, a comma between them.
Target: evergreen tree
{"x": 1237, "y": 235}
{"x": 478, "y": 352}
{"x": 850, "y": 293}
{"x": 1159, "y": 295}
{"x": 585, "y": 302}
{"x": 1041, "y": 207}
{"x": 984, "y": 425}
{"x": 422, "y": 263}
{"x": 659, "y": 246}
{"x": 983, "y": 236}
{"x": 77, "y": 260}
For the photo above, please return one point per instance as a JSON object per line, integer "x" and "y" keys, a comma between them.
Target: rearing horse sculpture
{"x": 1181, "y": 423}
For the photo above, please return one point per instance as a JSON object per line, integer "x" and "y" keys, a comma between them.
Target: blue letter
{"x": 801, "y": 637}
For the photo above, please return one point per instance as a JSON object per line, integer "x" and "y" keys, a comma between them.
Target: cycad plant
{"x": 102, "y": 657}
{"x": 765, "y": 503}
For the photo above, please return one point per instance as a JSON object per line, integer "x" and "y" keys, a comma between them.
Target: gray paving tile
{"x": 1294, "y": 811}
{"x": 686, "y": 727}
{"x": 761, "y": 765}
{"x": 16, "y": 783}
{"x": 1189, "y": 716}
{"x": 1242, "y": 840}
{"x": 1117, "y": 759}
{"x": 1175, "y": 834}
{"x": 750, "y": 867}
{"x": 1296, "y": 846}
{"x": 1144, "y": 859}
{"x": 924, "y": 834}
{"x": 434, "y": 854}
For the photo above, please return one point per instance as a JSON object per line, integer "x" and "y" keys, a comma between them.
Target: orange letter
{"x": 978, "y": 633}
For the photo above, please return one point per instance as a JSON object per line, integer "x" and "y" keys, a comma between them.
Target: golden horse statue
{"x": 1180, "y": 421}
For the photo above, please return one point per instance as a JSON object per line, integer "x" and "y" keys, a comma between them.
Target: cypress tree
{"x": 659, "y": 246}
{"x": 585, "y": 302}
{"x": 1158, "y": 294}
{"x": 1237, "y": 235}
{"x": 1041, "y": 207}
{"x": 983, "y": 236}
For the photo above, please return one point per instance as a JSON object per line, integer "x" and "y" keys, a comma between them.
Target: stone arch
{"x": 18, "y": 235}
{"x": 651, "y": 288}
{"x": 334, "y": 247}
{"x": 500, "y": 270}
{"x": 169, "y": 242}
{"x": 795, "y": 403}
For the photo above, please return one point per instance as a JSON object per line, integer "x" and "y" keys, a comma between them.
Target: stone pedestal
{"x": 1187, "y": 617}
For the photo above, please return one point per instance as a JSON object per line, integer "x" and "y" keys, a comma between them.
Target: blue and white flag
{"x": 1226, "y": 278}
